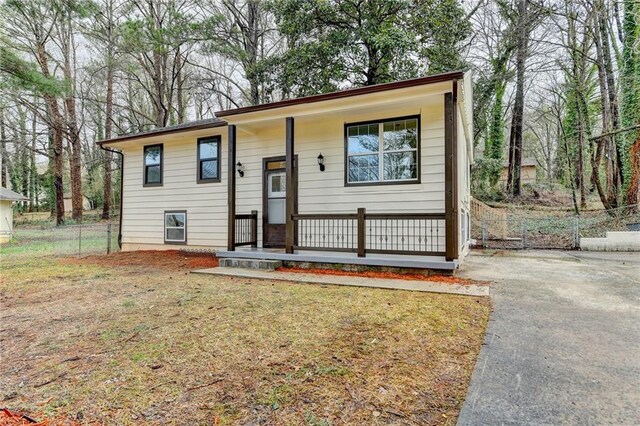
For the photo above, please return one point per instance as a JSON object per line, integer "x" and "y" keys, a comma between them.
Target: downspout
{"x": 121, "y": 190}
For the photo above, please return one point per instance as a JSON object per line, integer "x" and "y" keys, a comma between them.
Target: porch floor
{"x": 388, "y": 260}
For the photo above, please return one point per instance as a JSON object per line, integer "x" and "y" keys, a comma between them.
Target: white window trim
{"x": 180, "y": 212}
{"x": 381, "y": 151}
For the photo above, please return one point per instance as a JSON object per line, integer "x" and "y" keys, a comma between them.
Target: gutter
{"x": 121, "y": 190}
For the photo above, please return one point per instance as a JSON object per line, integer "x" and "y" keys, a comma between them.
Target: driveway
{"x": 563, "y": 343}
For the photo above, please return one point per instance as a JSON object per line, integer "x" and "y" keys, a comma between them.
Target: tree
{"x": 329, "y": 43}
{"x": 630, "y": 100}
{"x": 31, "y": 25}
{"x": 242, "y": 32}
{"x": 578, "y": 75}
{"x": 65, "y": 40}
{"x": 103, "y": 32}
{"x": 606, "y": 146}
{"x": 159, "y": 35}
{"x": 526, "y": 16}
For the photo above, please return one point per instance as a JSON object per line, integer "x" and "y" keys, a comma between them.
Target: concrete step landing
{"x": 261, "y": 264}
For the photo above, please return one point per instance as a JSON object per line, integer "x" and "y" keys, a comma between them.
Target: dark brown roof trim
{"x": 194, "y": 125}
{"x": 436, "y": 78}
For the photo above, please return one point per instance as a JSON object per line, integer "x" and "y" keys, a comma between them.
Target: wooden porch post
{"x": 451, "y": 173}
{"x": 231, "y": 191}
{"x": 362, "y": 214}
{"x": 291, "y": 187}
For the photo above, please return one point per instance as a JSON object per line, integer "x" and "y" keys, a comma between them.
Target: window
{"x": 153, "y": 165}
{"x": 382, "y": 152}
{"x": 209, "y": 159}
{"x": 175, "y": 227}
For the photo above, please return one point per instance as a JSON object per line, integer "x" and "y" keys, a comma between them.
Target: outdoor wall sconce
{"x": 321, "y": 162}
{"x": 240, "y": 169}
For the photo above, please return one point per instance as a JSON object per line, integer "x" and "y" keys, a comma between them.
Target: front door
{"x": 274, "y": 202}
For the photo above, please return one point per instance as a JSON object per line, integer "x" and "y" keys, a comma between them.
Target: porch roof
{"x": 421, "y": 81}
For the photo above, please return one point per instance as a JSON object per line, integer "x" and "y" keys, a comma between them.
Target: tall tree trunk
{"x": 22, "y": 153}
{"x": 252, "y": 42}
{"x": 613, "y": 96}
{"x": 33, "y": 174}
{"x": 108, "y": 121}
{"x": 580, "y": 160}
{"x": 56, "y": 126}
{"x": 630, "y": 98}
{"x": 633, "y": 191}
{"x": 75, "y": 159}
{"x": 514, "y": 185}
{"x": 606, "y": 144}
{"x": 4, "y": 159}
{"x": 180, "y": 87}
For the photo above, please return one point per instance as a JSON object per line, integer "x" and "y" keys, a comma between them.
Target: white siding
{"x": 318, "y": 192}
{"x": 6, "y": 220}
{"x": 325, "y": 192}
{"x": 464, "y": 163}
{"x": 205, "y": 203}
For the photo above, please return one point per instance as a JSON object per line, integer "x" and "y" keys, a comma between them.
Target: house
{"x": 68, "y": 203}
{"x": 7, "y": 198}
{"x": 528, "y": 172}
{"x": 377, "y": 175}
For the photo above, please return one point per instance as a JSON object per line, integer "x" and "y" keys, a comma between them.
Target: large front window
{"x": 383, "y": 152}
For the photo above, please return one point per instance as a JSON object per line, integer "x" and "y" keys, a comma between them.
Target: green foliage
{"x": 363, "y": 42}
{"x": 15, "y": 72}
{"x": 630, "y": 83}
{"x": 494, "y": 150}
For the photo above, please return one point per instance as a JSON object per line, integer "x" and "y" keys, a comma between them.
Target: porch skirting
{"x": 385, "y": 260}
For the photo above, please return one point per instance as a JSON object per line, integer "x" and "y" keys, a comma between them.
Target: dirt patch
{"x": 12, "y": 418}
{"x": 443, "y": 279}
{"x": 159, "y": 259}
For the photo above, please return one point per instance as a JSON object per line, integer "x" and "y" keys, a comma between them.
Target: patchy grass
{"x": 151, "y": 343}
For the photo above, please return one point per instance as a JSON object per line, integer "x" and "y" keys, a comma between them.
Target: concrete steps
{"x": 260, "y": 264}
{"x": 614, "y": 241}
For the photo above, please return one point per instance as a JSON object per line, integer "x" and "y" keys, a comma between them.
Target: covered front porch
{"x": 325, "y": 218}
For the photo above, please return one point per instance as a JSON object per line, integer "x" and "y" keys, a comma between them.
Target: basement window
{"x": 175, "y": 227}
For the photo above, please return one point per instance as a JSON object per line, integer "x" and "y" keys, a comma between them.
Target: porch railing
{"x": 246, "y": 227}
{"x": 362, "y": 233}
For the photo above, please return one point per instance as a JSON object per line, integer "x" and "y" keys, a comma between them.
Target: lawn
{"x": 137, "y": 339}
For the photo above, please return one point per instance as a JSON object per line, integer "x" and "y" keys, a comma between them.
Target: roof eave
{"x": 432, "y": 79}
{"x": 161, "y": 132}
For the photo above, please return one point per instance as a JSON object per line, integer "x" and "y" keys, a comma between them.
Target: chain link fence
{"x": 68, "y": 240}
{"x": 557, "y": 232}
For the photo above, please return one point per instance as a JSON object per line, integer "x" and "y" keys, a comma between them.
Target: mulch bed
{"x": 181, "y": 260}
{"x": 13, "y": 418}
{"x": 163, "y": 259}
{"x": 443, "y": 279}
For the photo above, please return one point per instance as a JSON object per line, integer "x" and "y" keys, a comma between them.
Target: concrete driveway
{"x": 563, "y": 343}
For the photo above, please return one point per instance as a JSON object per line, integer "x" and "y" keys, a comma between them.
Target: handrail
{"x": 362, "y": 232}
{"x": 323, "y": 216}
{"x": 494, "y": 219}
{"x": 246, "y": 229}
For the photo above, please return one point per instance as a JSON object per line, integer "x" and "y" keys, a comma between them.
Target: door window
{"x": 276, "y": 198}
